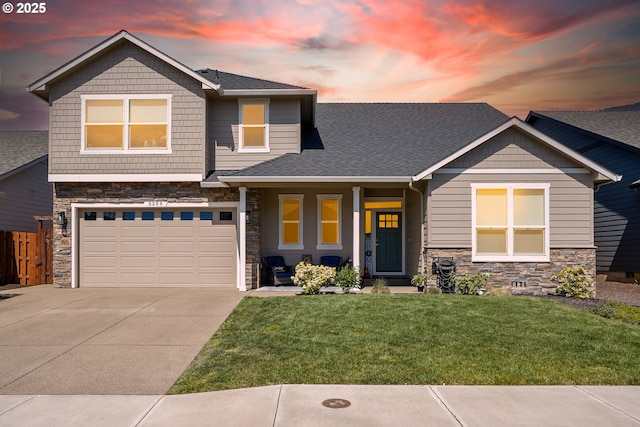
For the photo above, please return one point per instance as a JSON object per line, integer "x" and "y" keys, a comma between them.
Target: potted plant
{"x": 419, "y": 281}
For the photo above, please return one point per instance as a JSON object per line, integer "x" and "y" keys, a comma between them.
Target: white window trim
{"x": 241, "y": 147}
{"x": 510, "y": 226}
{"x": 281, "y": 244}
{"x": 335, "y": 246}
{"x": 125, "y": 137}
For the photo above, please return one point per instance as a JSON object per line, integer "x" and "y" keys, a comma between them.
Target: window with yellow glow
{"x": 290, "y": 221}
{"x": 125, "y": 122}
{"x": 369, "y": 206}
{"x": 253, "y": 130}
{"x": 511, "y": 222}
{"x": 329, "y": 227}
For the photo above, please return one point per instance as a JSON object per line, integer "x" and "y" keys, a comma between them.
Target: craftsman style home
{"x": 166, "y": 176}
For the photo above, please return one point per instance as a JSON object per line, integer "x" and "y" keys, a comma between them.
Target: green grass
{"x": 412, "y": 339}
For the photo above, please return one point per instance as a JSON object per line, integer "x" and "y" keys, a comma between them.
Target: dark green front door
{"x": 388, "y": 242}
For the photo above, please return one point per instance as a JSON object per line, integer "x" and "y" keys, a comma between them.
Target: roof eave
{"x": 313, "y": 179}
{"x": 601, "y": 174}
{"x": 267, "y": 92}
{"x": 40, "y": 88}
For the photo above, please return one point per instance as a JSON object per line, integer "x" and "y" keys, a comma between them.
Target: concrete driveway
{"x": 105, "y": 341}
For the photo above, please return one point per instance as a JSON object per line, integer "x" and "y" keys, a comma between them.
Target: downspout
{"x": 411, "y": 187}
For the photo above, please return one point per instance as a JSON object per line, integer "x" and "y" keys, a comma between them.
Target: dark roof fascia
{"x": 614, "y": 142}
{"x": 313, "y": 179}
{"x": 23, "y": 167}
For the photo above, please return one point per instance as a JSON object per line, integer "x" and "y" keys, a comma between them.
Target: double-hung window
{"x": 329, "y": 221}
{"x": 126, "y": 123}
{"x": 290, "y": 224}
{"x": 510, "y": 222}
{"x": 253, "y": 129}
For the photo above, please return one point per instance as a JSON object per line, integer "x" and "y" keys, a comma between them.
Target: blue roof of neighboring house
{"x": 381, "y": 140}
{"x": 621, "y": 126}
{"x": 20, "y": 148}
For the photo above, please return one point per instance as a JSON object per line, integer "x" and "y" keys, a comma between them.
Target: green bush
{"x": 380, "y": 286}
{"x": 573, "y": 282}
{"x": 469, "y": 284}
{"x": 348, "y": 278}
{"x": 619, "y": 311}
{"x": 434, "y": 290}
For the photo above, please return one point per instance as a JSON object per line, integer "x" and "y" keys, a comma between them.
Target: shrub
{"x": 348, "y": 278}
{"x": 469, "y": 284}
{"x": 380, "y": 286}
{"x": 573, "y": 282}
{"x": 617, "y": 310}
{"x": 313, "y": 277}
{"x": 419, "y": 279}
{"x": 434, "y": 290}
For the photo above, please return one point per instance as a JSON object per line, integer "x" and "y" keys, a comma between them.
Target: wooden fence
{"x": 26, "y": 258}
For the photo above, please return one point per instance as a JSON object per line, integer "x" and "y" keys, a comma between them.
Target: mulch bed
{"x": 627, "y": 293}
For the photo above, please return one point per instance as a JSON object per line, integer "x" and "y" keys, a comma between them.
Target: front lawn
{"x": 412, "y": 339}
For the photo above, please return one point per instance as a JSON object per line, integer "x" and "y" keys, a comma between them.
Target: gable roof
{"x": 604, "y": 175}
{"x": 620, "y": 126}
{"x": 21, "y": 149}
{"x": 377, "y": 142}
{"x": 224, "y": 84}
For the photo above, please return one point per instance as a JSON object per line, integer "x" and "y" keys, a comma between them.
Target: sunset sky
{"x": 517, "y": 55}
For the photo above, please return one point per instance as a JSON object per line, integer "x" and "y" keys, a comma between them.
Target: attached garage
{"x": 168, "y": 246}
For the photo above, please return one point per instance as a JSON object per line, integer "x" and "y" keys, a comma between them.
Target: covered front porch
{"x": 377, "y": 229}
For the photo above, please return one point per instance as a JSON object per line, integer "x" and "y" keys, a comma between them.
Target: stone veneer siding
{"x": 523, "y": 278}
{"x": 67, "y": 193}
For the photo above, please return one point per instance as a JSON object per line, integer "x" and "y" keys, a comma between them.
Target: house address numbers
{"x": 156, "y": 203}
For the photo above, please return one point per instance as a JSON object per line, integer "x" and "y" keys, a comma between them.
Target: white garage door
{"x": 157, "y": 247}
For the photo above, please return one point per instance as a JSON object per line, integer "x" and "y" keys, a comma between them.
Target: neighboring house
{"x": 24, "y": 188}
{"x": 612, "y": 138}
{"x": 171, "y": 176}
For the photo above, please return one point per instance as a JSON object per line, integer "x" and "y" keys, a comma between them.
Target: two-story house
{"x": 168, "y": 176}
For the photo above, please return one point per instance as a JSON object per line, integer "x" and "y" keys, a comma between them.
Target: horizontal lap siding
{"x": 127, "y": 70}
{"x": 269, "y": 224}
{"x": 284, "y": 132}
{"x": 27, "y": 185}
{"x": 571, "y": 197}
{"x": 617, "y": 207}
{"x": 570, "y": 208}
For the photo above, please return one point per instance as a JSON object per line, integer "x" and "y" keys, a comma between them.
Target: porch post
{"x": 356, "y": 227}
{"x": 242, "y": 240}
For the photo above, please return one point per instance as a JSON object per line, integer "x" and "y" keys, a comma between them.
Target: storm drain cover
{"x": 336, "y": 403}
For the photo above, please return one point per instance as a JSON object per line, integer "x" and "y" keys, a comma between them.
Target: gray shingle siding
{"x": 128, "y": 69}
{"x": 617, "y": 207}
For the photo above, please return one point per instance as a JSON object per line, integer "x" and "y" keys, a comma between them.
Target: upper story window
{"x": 253, "y": 129}
{"x": 510, "y": 222}
{"x": 126, "y": 123}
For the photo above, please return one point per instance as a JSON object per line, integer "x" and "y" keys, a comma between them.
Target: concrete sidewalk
{"x": 302, "y": 406}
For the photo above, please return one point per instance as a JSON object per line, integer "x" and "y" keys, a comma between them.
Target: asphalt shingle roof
{"x": 18, "y": 148}
{"x": 231, "y": 81}
{"x": 621, "y": 126}
{"x": 382, "y": 139}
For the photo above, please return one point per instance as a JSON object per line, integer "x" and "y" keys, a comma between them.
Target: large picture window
{"x": 329, "y": 221}
{"x": 253, "y": 130}
{"x": 290, "y": 227}
{"x": 126, "y": 123}
{"x": 510, "y": 222}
